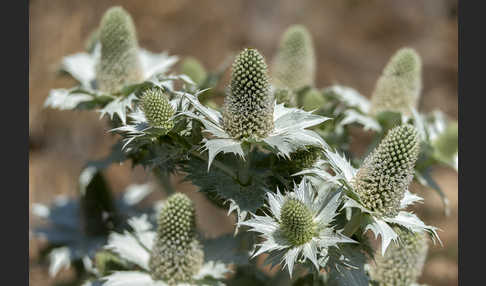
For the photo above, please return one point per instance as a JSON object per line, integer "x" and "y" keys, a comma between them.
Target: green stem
{"x": 353, "y": 225}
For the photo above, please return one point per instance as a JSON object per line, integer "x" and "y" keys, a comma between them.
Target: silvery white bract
{"x": 81, "y": 66}
{"x": 288, "y": 135}
{"x": 356, "y": 109}
{"x": 135, "y": 247}
{"x": 65, "y": 230}
{"x": 323, "y": 207}
{"x": 379, "y": 225}
{"x": 139, "y": 127}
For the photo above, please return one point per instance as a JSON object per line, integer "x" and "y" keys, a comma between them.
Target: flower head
{"x": 177, "y": 255}
{"x": 312, "y": 100}
{"x": 170, "y": 256}
{"x": 157, "y": 109}
{"x": 194, "y": 69}
{"x": 299, "y": 224}
{"x": 398, "y": 88}
{"x": 403, "y": 262}
{"x": 383, "y": 179}
{"x": 119, "y": 64}
{"x": 248, "y": 107}
{"x": 294, "y": 64}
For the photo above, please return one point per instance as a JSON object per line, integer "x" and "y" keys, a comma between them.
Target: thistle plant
{"x": 119, "y": 63}
{"x": 247, "y": 112}
{"x": 398, "y": 88}
{"x": 384, "y": 176}
{"x": 275, "y": 155}
{"x": 403, "y": 262}
{"x": 294, "y": 64}
{"x": 177, "y": 255}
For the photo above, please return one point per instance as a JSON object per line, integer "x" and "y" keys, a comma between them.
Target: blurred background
{"x": 353, "y": 41}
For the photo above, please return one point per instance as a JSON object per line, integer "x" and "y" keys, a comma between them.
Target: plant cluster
{"x": 275, "y": 154}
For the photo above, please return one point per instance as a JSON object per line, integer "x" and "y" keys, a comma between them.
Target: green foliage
{"x": 247, "y": 110}
{"x": 119, "y": 64}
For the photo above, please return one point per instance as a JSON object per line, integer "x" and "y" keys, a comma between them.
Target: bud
{"x": 398, "y": 88}
{"x": 312, "y": 100}
{"x": 194, "y": 69}
{"x": 296, "y": 222}
{"x": 384, "y": 177}
{"x": 302, "y": 159}
{"x": 446, "y": 143}
{"x": 403, "y": 263}
{"x": 119, "y": 64}
{"x": 157, "y": 109}
{"x": 294, "y": 64}
{"x": 176, "y": 255}
{"x": 248, "y": 107}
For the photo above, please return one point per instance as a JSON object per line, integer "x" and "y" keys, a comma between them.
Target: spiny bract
{"x": 248, "y": 107}
{"x": 384, "y": 177}
{"x": 177, "y": 255}
{"x": 398, "y": 88}
{"x": 194, "y": 69}
{"x": 402, "y": 263}
{"x": 294, "y": 64}
{"x": 119, "y": 64}
{"x": 157, "y": 109}
{"x": 297, "y": 222}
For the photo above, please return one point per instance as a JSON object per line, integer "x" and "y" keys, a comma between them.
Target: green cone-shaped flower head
{"x": 297, "y": 222}
{"x": 194, "y": 69}
{"x": 402, "y": 263}
{"x": 119, "y": 64}
{"x": 285, "y": 95}
{"x": 177, "y": 255}
{"x": 384, "y": 177}
{"x": 294, "y": 64}
{"x": 157, "y": 109}
{"x": 398, "y": 88}
{"x": 248, "y": 107}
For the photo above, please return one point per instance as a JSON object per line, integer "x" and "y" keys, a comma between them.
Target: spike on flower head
{"x": 398, "y": 88}
{"x": 402, "y": 264}
{"x": 119, "y": 64}
{"x": 157, "y": 109}
{"x": 384, "y": 177}
{"x": 248, "y": 107}
{"x": 294, "y": 64}
{"x": 297, "y": 222}
{"x": 194, "y": 69}
{"x": 176, "y": 255}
